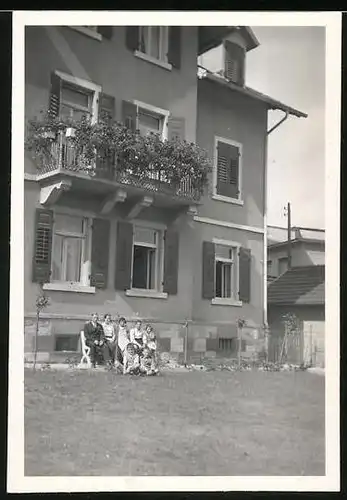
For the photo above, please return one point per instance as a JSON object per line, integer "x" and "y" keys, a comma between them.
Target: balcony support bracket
{"x": 118, "y": 197}
{"x": 191, "y": 211}
{"x": 51, "y": 193}
{"x": 145, "y": 202}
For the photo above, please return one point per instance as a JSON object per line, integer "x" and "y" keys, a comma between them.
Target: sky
{"x": 289, "y": 65}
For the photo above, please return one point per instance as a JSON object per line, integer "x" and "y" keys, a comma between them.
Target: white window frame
{"x": 215, "y": 195}
{"x": 87, "y": 85}
{"x": 90, "y": 31}
{"x": 162, "y": 113}
{"x": 84, "y": 284}
{"x": 229, "y": 301}
{"x": 159, "y": 264}
{"x": 163, "y": 48}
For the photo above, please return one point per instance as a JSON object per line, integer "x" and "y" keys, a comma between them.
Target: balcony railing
{"x": 65, "y": 157}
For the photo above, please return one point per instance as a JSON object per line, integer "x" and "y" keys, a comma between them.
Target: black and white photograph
{"x": 173, "y": 325}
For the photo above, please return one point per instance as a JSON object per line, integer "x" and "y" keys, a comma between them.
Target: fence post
{"x": 186, "y": 343}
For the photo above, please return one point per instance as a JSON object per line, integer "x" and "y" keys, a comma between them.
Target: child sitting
{"x": 131, "y": 361}
{"x": 147, "y": 366}
{"x": 136, "y": 334}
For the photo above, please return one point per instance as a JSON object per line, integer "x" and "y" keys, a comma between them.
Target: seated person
{"x": 131, "y": 361}
{"x": 147, "y": 365}
{"x": 95, "y": 340}
{"x": 136, "y": 334}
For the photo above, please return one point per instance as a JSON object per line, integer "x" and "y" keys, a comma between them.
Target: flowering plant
{"x": 114, "y": 143}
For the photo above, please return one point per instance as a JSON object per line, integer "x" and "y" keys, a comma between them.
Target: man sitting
{"x": 95, "y": 340}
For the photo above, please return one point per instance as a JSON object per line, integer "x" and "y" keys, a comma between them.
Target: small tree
{"x": 291, "y": 329}
{"x": 42, "y": 301}
{"x": 240, "y": 324}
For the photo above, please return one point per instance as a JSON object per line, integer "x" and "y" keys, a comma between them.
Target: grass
{"x": 214, "y": 423}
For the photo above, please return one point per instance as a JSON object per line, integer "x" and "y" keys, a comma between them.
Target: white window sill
{"x": 69, "y": 287}
{"x": 152, "y": 60}
{"x": 218, "y": 301}
{"x": 88, "y": 32}
{"x": 152, "y": 294}
{"x": 226, "y": 199}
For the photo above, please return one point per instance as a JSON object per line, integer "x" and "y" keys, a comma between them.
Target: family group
{"x": 111, "y": 343}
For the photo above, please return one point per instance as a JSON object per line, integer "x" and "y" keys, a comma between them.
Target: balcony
{"x": 65, "y": 166}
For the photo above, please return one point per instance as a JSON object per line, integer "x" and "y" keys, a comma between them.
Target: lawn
{"x": 212, "y": 423}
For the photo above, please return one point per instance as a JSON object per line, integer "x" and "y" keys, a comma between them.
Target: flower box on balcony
{"x": 70, "y": 132}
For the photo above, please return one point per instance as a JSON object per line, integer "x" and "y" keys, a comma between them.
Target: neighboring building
{"x": 300, "y": 291}
{"x": 109, "y": 245}
{"x": 307, "y": 248}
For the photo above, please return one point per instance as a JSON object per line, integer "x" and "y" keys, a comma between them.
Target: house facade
{"x": 140, "y": 247}
{"x": 307, "y": 248}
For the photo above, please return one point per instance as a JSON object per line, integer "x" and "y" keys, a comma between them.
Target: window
{"x": 227, "y": 169}
{"x": 76, "y": 102}
{"x": 66, "y": 343}
{"x": 71, "y": 254}
{"x": 153, "y": 41}
{"x": 76, "y": 97}
{"x": 225, "y": 272}
{"x": 227, "y": 344}
{"x": 146, "y": 258}
{"x": 282, "y": 265}
{"x": 149, "y": 122}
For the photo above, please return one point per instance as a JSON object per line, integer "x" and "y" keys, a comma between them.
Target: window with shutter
{"x": 245, "y": 260}
{"x": 208, "y": 270}
{"x": 70, "y": 249}
{"x": 174, "y": 51}
{"x": 43, "y": 246}
{"x": 234, "y": 62}
{"x": 176, "y": 128}
{"x": 124, "y": 250}
{"x": 100, "y": 252}
{"x": 227, "y": 169}
{"x": 171, "y": 248}
{"x": 153, "y": 41}
{"x": 225, "y": 271}
{"x": 106, "y": 158}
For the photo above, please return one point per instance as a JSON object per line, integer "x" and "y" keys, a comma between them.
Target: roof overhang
{"x": 271, "y": 103}
{"x": 212, "y": 36}
{"x": 279, "y": 244}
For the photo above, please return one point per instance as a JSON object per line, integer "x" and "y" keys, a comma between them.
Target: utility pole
{"x": 287, "y": 212}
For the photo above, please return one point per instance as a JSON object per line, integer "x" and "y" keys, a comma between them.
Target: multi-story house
{"x": 135, "y": 244}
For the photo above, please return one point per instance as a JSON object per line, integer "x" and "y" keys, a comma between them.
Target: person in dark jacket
{"x": 95, "y": 339}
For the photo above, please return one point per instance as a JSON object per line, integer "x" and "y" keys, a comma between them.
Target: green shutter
{"x": 228, "y": 159}
{"x": 105, "y": 31}
{"x": 54, "y": 95}
{"x": 100, "y": 252}
{"x": 234, "y": 62}
{"x": 208, "y": 265}
{"x": 124, "y": 252}
{"x": 171, "y": 249}
{"x": 132, "y": 37}
{"x": 245, "y": 260}
{"x": 43, "y": 246}
{"x": 176, "y": 129}
{"x": 129, "y": 115}
{"x": 174, "y": 52}
{"x": 106, "y": 159}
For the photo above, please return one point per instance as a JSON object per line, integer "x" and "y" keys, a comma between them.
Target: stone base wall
{"x": 58, "y": 339}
